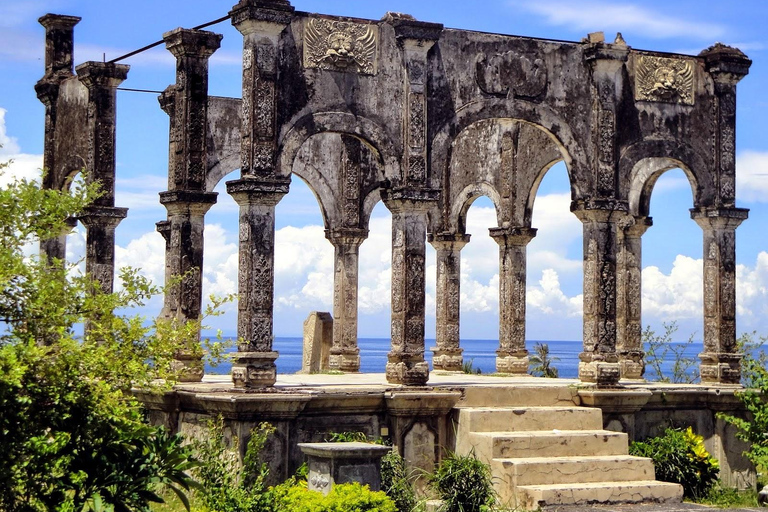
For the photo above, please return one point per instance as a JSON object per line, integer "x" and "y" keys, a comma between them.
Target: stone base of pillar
{"x": 347, "y": 362}
{"x": 447, "y": 360}
{"x": 409, "y": 373}
{"x": 720, "y": 368}
{"x": 188, "y": 367}
{"x": 603, "y": 372}
{"x": 514, "y": 363}
{"x": 254, "y": 370}
{"x": 631, "y": 365}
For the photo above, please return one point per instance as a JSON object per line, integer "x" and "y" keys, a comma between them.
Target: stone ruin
{"x": 426, "y": 119}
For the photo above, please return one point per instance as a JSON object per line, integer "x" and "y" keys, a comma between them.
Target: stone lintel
{"x": 421, "y": 403}
{"x": 726, "y": 64}
{"x": 346, "y": 236}
{"x": 615, "y": 401}
{"x": 244, "y": 407}
{"x": 107, "y": 216}
{"x": 95, "y": 75}
{"x": 719, "y": 218}
{"x": 262, "y": 17}
{"x": 348, "y": 450}
{"x": 184, "y": 42}
{"x": 188, "y": 201}
{"x": 512, "y": 235}
{"x": 261, "y": 191}
{"x": 599, "y": 210}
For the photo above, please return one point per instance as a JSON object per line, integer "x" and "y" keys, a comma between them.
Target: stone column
{"x": 405, "y": 362}
{"x": 599, "y": 362}
{"x": 345, "y": 354}
{"x": 629, "y": 329}
{"x": 512, "y": 356}
{"x": 720, "y": 360}
{"x": 447, "y": 353}
{"x": 59, "y": 48}
{"x": 100, "y": 223}
{"x": 254, "y": 364}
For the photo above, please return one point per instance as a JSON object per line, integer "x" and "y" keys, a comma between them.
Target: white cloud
{"x": 752, "y": 176}
{"x": 673, "y": 296}
{"x": 547, "y": 297}
{"x": 23, "y": 165}
{"x": 596, "y": 15}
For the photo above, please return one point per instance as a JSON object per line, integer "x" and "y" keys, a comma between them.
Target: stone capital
{"x": 188, "y": 202}
{"x": 47, "y": 90}
{"x": 104, "y": 216}
{"x": 726, "y": 65}
{"x": 511, "y": 236}
{"x": 448, "y": 241}
{"x": 59, "y": 21}
{"x": 164, "y": 228}
{"x": 413, "y": 35}
{"x": 182, "y": 42}
{"x": 638, "y": 227}
{"x": 404, "y": 200}
{"x": 606, "y": 58}
{"x": 599, "y": 210}
{"x": 247, "y": 191}
{"x": 346, "y": 237}
{"x": 167, "y": 99}
{"x": 267, "y": 18}
{"x": 102, "y": 75}
{"x": 719, "y": 218}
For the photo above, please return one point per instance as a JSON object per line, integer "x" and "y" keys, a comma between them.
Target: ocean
{"x": 481, "y": 353}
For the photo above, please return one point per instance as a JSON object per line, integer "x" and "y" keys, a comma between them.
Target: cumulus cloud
{"x": 547, "y": 296}
{"x": 673, "y": 296}
{"x": 23, "y": 165}
{"x": 603, "y": 15}
{"x": 752, "y": 176}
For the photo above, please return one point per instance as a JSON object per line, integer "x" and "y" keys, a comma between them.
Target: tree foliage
{"x": 542, "y": 363}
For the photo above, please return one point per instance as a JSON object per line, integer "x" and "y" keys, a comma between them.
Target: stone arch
{"x": 220, "y": 169}
{"x": 641, "y": 165}
{"x": 67, "y": 172}
{"x": 540, "y": 116}
{"x": 467, "y": 197}
{"x": 534, "y": 190}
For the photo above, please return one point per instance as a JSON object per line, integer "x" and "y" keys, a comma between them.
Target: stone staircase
{"x": 556, "y": 454}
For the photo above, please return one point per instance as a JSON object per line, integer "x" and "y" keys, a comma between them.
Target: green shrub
{"x": 541, "y": 362}
{"x": 397, "y": 482}
{"x": 464, "y": 484}
{"x": 679, "y": 456}
{"x": 351, "y": 497}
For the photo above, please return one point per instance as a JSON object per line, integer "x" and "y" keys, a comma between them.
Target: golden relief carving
{"x": 664, "y": 79}
{"x": 340, "y": 46}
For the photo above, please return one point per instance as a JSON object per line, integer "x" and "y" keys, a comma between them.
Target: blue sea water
{"x": 482, "y": 354}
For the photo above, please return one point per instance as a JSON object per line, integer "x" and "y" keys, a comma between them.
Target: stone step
{"x": 532, "y": 497}
{"x": 516, "y": 396}
{"x": 571, "y": 470}
{"x": 518, "y": 419}
{"x": 548, "y": 443}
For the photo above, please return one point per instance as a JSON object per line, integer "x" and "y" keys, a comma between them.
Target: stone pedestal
{"x": 318, "y": 338}
{"x": 447, "y": 352}
{"x": 512, "y": 356}
{"x": 345, "y": 354}
{"x": 720, "y": 360}
{"x": 339, "y": 463}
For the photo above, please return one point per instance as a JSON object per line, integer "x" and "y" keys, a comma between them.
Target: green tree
{"x": 541, "y": 362}
{"x": 661, "y": 348}
{"x": 72, "y": 436}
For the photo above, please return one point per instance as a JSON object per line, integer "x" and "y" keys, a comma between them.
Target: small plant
{"x": 397, "y": 481}
{"x": 541, "y": 362}
{"x": 679, "y": 456}
{"x": 728, "y": 497}
{"x": 464, "y": 484}
{"x": 347, "y": 437}
{"x": 468, "y": 368}
{"x": 350, "y": 497}
{"x": 661, "y": 348}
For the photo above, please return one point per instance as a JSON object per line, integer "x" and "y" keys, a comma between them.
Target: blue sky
{"x": 671, "y": 249}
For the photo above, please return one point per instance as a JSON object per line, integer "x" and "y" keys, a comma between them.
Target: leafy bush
{"x": 225, "y": 484}
{"x": 542, "y": 362}
{"x": 464, "y": 484}
{"x": 351, "y": 497}
{"x": 679, "y": 456}
{"x": 397, "y": 481}
{"x": 347, "y": 437}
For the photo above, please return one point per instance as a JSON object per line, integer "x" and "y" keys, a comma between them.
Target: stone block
{"x": 339, "y": 463}
{"x": 318, "y": 338}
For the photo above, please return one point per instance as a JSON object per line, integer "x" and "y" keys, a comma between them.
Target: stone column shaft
{"x": 447, "y": 354}
{"x": 100, "y": 224}
{"x": 406, "y": 364}
{"x": 345, "y": 354}
{"x": 599, "y": 361}
{"x": 629, "y": 329}
{"x": 512, "y": 356}
{"x": 720, "y": 360}
{"x": 254, "y": 365}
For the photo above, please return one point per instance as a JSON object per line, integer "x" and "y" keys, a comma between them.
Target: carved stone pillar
{"x": 260, "y": 22}
{"x": 629, "y": 329}
{"x": 599, "y": 362}
{"x": 254, "y": 364}
{"x": 59, "y": 48}
{"x": 720, "y": 360}
{"x": 447, "y": 353}
{"x": 345, "y": 354}
{"x": 100, "y": 223}
{"x": 512, "y": 356}
{"x": 406, "y": 364}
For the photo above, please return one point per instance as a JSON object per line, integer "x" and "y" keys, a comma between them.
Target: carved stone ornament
{"x": 664, "y": 79}
{"x": 341, "y": 46}
{"x": 511, "y": 74}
